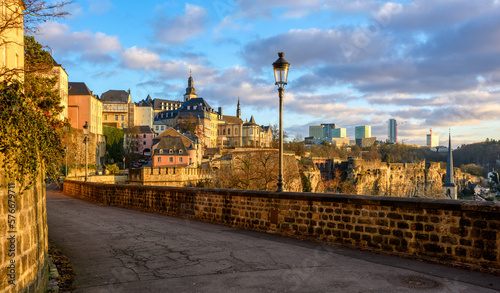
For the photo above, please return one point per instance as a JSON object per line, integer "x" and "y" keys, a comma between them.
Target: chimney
{"x": 220, "y": 111}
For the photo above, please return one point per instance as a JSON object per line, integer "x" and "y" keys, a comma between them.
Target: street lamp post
{"x": 75, "y": 166}
{"x": 280, "y": 75}
{"x": 66, "y": 153}
{"x": 86, "y": 141}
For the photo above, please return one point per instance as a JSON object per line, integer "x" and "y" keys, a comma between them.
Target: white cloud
{"x": 91, "y": 47}
{"x": 182, "y": 27}
{"x": 137, "y": 58}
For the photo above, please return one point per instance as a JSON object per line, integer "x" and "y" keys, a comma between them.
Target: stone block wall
{"x": 23, "y": 237}
{"x": 449, "y": 231}
{"x": 167, "y": 176}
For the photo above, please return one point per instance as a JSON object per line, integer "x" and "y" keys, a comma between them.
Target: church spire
{"x": 238, "y": 110}
{"x": 449, "y": 186}
{"x": 190, "y": 91}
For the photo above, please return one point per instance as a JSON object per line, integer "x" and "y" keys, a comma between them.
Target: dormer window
{"x": 189, "y": 107}
{"x": 194, "y": 107}
{"x": 170, "y": 151}
{"x": 160, "y": 151}
{"x": 180, "y": 151}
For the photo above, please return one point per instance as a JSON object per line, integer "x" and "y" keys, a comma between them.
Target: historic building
{"x": 62, "y": 87}
{"x": 213, "y": 128}
{"x": 174, "y": 149}
{"x": 84, "y": 106}
{"x": 12, "y": 39}
{"x": 139, "y": 139}
{"x": 117, "y": 109}
{"x": 143, "y": 113}
{"x": 160, "y": 105}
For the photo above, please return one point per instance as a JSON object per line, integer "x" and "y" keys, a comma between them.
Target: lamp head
{"x": 281, "y": 70}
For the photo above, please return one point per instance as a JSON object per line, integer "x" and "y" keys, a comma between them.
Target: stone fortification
{"x": 23, "y": 237}
{"x": 447, "y": 231}
{"x": 168, "y": 176}
{"x": 374, "y": 177}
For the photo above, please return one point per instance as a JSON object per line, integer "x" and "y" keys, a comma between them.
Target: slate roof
{"x": 78, "y": 89}
{"x": 115, "y": 96}
{"x": 232, "y": 119}
{"x": 265, "y": 128}
{"x": 139, "y": 129}
{"x": 148, "y": 102}
{"x": 173, "y": 143}
{"x": 157, "y": 103}
{"x": 174, "y": 133}
{"x": 251, "y": 122}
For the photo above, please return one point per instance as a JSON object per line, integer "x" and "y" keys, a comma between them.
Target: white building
{"x": 432, "y": 140}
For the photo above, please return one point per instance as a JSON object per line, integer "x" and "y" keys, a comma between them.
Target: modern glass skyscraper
{"x": 362, "y": 131}
{"x": 393, "y": 131}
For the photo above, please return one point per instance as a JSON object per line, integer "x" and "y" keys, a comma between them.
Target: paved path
{"x": 118, "y": 250}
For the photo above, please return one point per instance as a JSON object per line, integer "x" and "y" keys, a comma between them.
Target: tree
{"x": 38, "y": 80}
{"x": 31, "y": 132}
{"x": 339, "y": 184}
{"x": 132, "y": 143}
{"x": 297, "y": 145}
{"x": 195, "y": 126}
{"x": 30, "y": 138}
{"x": 257, "y": 170}
{"x": 114, "y": 144}
{"x": 276, "y": 136}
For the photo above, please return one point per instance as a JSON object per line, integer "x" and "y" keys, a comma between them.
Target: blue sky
{"x": 432, "y": 64}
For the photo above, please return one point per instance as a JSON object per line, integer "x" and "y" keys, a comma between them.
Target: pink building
{"x": 171, "y": 152}
{"x": 143, "y": 143}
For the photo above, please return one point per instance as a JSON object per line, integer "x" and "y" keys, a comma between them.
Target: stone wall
{"x": 449, "y": 231}
{"x": 167, "y": 176}
{"x": 23, "y": 237}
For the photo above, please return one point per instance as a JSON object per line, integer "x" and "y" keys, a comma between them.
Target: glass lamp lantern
{"x": 281, "y": 70}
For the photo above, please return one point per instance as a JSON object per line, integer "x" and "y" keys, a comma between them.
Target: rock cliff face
{"x": 399, "y": 180}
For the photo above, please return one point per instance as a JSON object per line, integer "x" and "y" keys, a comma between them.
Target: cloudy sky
{"x": 431, "y": 64}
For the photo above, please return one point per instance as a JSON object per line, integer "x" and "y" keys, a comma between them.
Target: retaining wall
{"x": 23, "y": 237}
{"x": 450, "y": 231}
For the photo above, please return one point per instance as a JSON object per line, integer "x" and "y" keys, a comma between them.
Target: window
{"x": 236, "y": 131}
{"x": 190, "y": 161}
{"x": 159, "y": 160}
{"x": 156, "y": 127}
{"x": 229, "y": 131}
{"x": 123, "y": 117}
{"x": 143, "y": 136}
{"x": 162, "y": 127}
{"x": 180, "y": 160}
{"x": 161, "y": 151}
{"x": 180, "y": 151}
{"x": 116, "y": 117}
{"x": 123, "y": 125}
{"x": 189, "y": 107}
{"x": 170, "y": 159}
{"x": 170, "y": 151}
{"x": 105, "y": 117}
{"x": 224, "y": 132}
{"x": 144, "y": 143}
{"x": 251, "y": 130}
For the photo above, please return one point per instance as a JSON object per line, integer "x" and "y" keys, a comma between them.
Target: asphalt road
{"x": 118, "y": 250}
